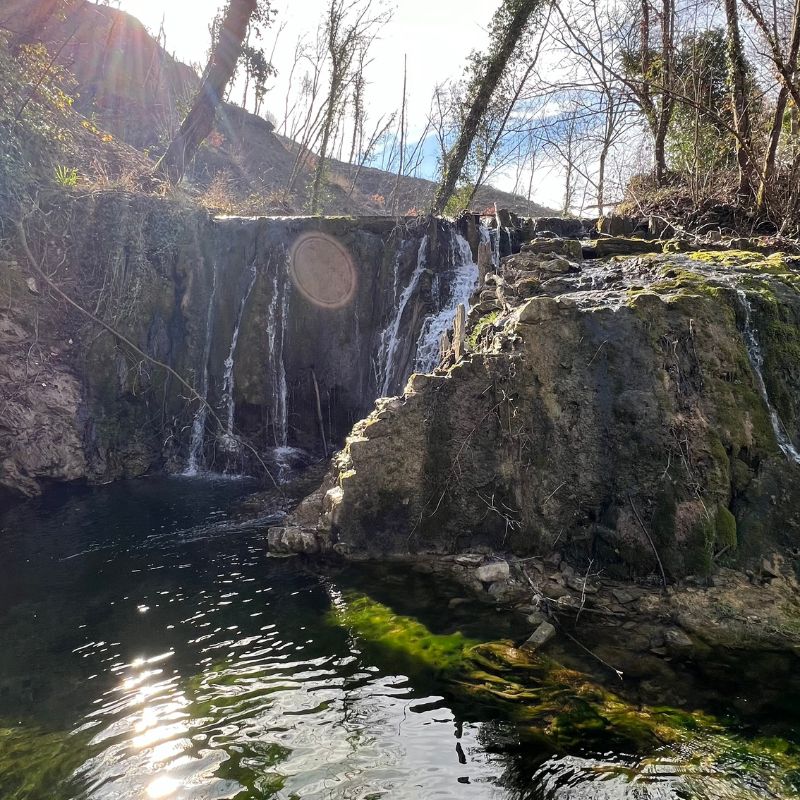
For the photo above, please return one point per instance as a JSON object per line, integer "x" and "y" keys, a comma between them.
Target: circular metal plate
{"x": 322, "y": 270}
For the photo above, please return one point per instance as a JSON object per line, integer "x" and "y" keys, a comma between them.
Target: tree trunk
{"x": 741, "y": 113}
{"x": 772, "y": 148}
{"x": 319, "y": 172}
{"x": 200, "y": 119}
{"x": 660, "y": 148}
{"x": 522, "y": 12}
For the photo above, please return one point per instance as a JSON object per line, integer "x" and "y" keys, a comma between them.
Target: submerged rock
{"x": 540, "y": 637}
{"x": 490, "y": 573}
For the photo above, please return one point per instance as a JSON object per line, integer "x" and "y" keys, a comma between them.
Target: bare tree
{"x": 350, "y": 27}
{"x": 221, "y": 67}
{"x": 784, "y": 58}
{"x": 396, "y": 191}
{"x": 510, "y": 25}
{"x": 739, "y": 101}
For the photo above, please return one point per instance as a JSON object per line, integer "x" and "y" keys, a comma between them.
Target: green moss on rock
{"x": 725, "y": 529}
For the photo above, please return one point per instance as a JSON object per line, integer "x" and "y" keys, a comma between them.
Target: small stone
{"x": 455, "y": 602}
{"x": 32, "y": 287}
{"x": 540, "y": 637}
{"x": 540, "y": 309}
{"x": 621, "y": 596}
{"x": 566, "y": 570}
{"x": 535, "y": 618}
{"x": 493, "y": 572}
{"x": 768, "y": 569}
{"x": 469, "y": 560}
{"x": 578, "y": 584}
{"x": 557, "y": 266}
{"x": 676, "y": 639}
{"x": 553, "y": 559}
{"x": 554, "y": 591}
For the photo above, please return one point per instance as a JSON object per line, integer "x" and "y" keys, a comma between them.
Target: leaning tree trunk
{"x": 454, "y": 164}
{"x": 772, "y": 148}
{"x": 741, "y": 114}
{"x": 200, "y": 119}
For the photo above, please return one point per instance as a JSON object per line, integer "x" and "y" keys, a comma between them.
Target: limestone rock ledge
{"x": 616, "y": 416}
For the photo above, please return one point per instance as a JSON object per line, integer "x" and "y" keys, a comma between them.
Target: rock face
{"x": 641, "y": 413}
{"x": 560, "y": 226}
{"x": 287, "y": 328}
{"x": 39, "y": 435}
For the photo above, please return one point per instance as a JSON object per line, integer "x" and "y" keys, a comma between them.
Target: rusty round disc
{"x": 323, "y": 270}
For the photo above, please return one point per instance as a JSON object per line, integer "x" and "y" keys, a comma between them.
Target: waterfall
{"x": 276, "y": 338}
{"x": 497, "y": 234}
{"x": 757, "y": 362}
{"x": 389, "y": 338}
{"x": 486, "y": 238}
{"x": 199, "y": 422}
{"x": 461, "y": 285}
{"x": 229, "y": 439}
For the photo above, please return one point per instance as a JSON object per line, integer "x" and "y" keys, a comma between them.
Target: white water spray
{"x": 228, "y": 402}
{"x": 757, "y": 362}
{"x": 389, "y": 338}
{"x": 276, "y": 338}
{"x": 461, "y": 286}
{"x": 199, "y": 422}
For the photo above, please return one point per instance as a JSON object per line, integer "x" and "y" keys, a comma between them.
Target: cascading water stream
{"x": 228, "y": 403}
{"x": 497, "y": 234}
{"x": 389, "y": 338}
{"x": 199, "y": 423}
{"x": 461, "y": 286}
{"x": 757, "y": 362}
{"x": 486, "y": 239}
{"x": 276, "y": 337}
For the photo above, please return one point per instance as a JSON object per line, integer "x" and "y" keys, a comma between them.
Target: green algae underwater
{"x": 566, "y": 711}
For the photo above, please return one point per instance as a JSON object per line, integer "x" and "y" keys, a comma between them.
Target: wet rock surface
{"x": 216, "y": 301}
{"x": 639, "y": 412}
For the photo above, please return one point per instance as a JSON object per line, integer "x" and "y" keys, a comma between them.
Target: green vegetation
{"x": 558, "y": 707}
{"x": 481, "y": 325}
{"x": 725, "y": 529}
{"x": 66, "y": 177}
{"x": 34, "y": 761}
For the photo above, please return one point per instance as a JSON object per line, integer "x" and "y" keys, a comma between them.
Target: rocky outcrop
{"x": 40, "y": 437}
{"x": 286, "y": 345}
{"x": 640, "y": 413}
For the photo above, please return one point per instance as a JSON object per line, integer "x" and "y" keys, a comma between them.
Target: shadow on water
{"x": 151, "y": 648}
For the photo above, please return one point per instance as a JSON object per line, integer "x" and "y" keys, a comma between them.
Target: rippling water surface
{"x": 151, "y": 649}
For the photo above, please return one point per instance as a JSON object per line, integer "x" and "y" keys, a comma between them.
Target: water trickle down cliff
{"x": 453, "y": 287}
{"x": 272, "y": 349}
{"x": 213, "y": 298}
{"x": 195, "y": 462}
{"x": 756, "y": 357}
{"x": 230, "y": 441}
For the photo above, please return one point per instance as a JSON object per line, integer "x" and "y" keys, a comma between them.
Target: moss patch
{"x": 481, "y": 325}
{"x": 725, "y": 529}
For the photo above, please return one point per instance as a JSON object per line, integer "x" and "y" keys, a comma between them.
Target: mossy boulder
{"x": 628, "y": 425}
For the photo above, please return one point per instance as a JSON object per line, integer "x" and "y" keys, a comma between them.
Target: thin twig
{"x": 649, "y": 539}
{"x": 34, "y": 265}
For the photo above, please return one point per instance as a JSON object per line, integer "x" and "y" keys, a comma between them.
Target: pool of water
{"x": 152, "y": 649}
